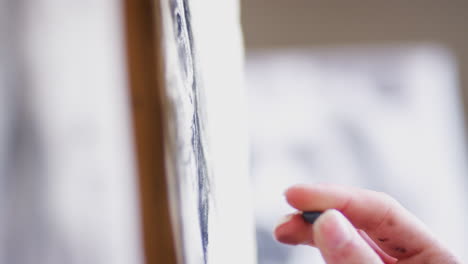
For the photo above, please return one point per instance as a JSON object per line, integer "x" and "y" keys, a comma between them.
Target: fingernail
{"x": 334, "y": 229}
{"x": 284, "y": 220}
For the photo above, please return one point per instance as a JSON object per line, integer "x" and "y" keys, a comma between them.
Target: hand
{"x": 359, "y": 226}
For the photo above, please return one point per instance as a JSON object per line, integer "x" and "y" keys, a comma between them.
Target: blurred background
{"x": 370, "y": 94}
{"x": 68, "y": 192}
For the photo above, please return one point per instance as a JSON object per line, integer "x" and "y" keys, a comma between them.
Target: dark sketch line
{"x": 187, "y": 60}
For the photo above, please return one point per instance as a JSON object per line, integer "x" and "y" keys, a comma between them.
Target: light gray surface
{"x": 278, "y": 24}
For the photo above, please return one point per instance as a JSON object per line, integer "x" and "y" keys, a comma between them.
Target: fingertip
{"x": 294, "y": 188}
{"x": 296, "y": 193}
{"x": 307, "y": 197}
{"x": 338, "y": 240}
{"x": 280, "y": 231}
{"x": 292, "y": 230}
{"x": 332, "y": 230}
{"x": 285, "y": 219}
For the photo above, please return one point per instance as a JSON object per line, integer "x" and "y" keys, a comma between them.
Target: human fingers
{"x": 392, "y": 227}
{"x": 339, "y": 242}
{"x": 293, "y": 230}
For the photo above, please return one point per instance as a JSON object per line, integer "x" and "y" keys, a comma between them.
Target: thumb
{"x": 339, "y": 242}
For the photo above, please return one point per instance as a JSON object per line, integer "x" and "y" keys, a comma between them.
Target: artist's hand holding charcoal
{"x": 358, "y": 226}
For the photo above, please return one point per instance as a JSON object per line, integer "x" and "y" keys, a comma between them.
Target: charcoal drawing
{"x": 190, "y": 154}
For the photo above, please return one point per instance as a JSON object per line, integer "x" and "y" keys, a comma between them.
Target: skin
{"x": 359, "y": 226}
